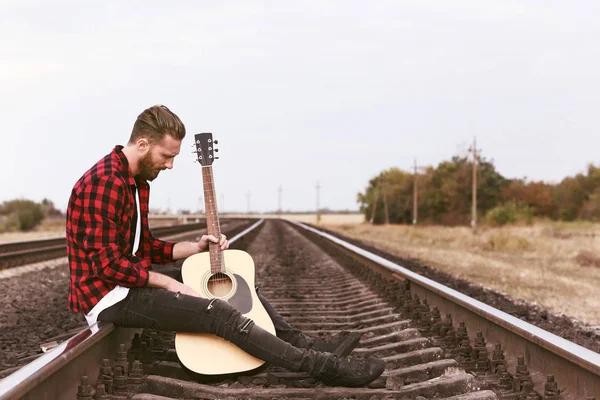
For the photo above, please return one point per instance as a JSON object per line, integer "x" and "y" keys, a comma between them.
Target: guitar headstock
{"x": 205, "y": 148}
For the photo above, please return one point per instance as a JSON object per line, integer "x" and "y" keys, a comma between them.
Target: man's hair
{"x": 156, "y": 122}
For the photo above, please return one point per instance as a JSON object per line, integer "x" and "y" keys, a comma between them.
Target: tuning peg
{"x": 216, "y": 142}
{"x": 216, "y": 158}
{"x": 216, "y": 150}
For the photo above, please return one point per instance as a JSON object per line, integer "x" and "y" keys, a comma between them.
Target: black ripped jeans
{"x": 161, "y": 309}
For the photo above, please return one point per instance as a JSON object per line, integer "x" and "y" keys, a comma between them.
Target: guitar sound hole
{"x": 219, "y": 285}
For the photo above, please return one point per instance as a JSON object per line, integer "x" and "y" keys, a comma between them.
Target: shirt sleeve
{"x": 162, "y": 251}
{"x": 102, "y": 207}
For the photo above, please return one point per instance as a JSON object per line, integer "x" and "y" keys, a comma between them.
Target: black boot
{"x": 228, "y": 323}
{"x": 341, "y": 344}
{"x": 344, "y": 371}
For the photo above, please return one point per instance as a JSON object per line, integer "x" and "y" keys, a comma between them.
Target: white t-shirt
{"x": 119, "y": 292}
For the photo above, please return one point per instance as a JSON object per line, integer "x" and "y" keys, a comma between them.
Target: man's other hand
{"x": 158, "y": 280}
{"x": 183, "y": 289}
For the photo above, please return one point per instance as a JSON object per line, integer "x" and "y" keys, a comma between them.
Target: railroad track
{"x": 436, "y": 342}
{"x": 18, "y": 253}
{"x": 48, "y": 326}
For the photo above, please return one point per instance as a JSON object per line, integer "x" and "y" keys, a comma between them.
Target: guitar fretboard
{"x": 212, "y": 220}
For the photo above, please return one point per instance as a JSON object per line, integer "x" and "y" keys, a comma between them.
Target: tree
{"x": 447, "y": 198}
{"x": 569, "y": 196}
{"x": 445, "y": 195}
{"x": 396, "y": 186}
{"x": 536, "y": 195}
{"x": 591, "y": 208}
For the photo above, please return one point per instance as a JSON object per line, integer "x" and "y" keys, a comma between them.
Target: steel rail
{"x": 9, "y": 247}
{"x": 66, "y": 362}
{"x": 575, "y": 367}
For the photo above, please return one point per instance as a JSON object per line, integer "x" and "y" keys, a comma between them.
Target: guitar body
{"x": 209, "y": 354}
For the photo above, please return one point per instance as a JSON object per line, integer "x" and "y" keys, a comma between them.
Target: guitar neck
{"x": 212, "y": 219}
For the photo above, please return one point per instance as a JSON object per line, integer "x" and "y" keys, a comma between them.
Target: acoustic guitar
{"x": 219, "y": 274}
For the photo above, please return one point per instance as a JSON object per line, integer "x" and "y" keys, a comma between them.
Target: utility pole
{"x": 318, "y": 207}
{"x": 374, "y": 205}
{"x": 415, "y": 207}
{"x": 474, "y": 209}
{"x": 385, "y": 204}
{"x": 248, "y": 201}
{"x": 279, "y": 209}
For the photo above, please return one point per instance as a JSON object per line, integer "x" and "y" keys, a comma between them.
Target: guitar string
{"x": 222, "y": 283}
{"x": 208, "y": 186}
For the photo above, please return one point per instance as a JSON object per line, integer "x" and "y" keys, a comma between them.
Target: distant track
{"x": 18, "y": 253}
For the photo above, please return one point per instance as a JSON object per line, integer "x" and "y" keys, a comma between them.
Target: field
{"x": 554, "y": 265}
{"x": 49, "y": 228}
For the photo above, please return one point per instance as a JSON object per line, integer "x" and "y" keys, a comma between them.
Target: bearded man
{"x": 120, "y": 273}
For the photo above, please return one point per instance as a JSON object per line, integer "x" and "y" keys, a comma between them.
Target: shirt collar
{"x": 125, "y": 169}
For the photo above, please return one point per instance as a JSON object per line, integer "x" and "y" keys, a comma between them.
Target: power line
{"x": 374, "y": 205}
{"x": 415, "y": 202}
{"x": 385, "y": 203}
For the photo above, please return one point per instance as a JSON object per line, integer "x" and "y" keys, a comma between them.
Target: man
{"x": 122, "y": 274}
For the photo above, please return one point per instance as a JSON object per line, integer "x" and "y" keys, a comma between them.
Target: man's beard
{"x": 147, "y": 171}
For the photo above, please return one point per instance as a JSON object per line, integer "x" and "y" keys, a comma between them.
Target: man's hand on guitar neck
{"x": 186, "y": 249}
{"x": 166, "y": 282}
{"x": 205, "y": 239}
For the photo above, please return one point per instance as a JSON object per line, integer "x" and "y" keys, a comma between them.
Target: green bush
{"x": 509, "y": 213}
{"x": 21, "y": 214}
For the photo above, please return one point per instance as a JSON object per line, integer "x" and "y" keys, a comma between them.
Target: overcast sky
{"x": 297, "y": 92}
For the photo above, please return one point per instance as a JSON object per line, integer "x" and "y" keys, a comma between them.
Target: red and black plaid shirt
{"x": 99, "y": 224}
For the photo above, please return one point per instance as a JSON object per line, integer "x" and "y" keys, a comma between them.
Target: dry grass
{"x": 554, "y": 265}
{"x": 49, "y": 228}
